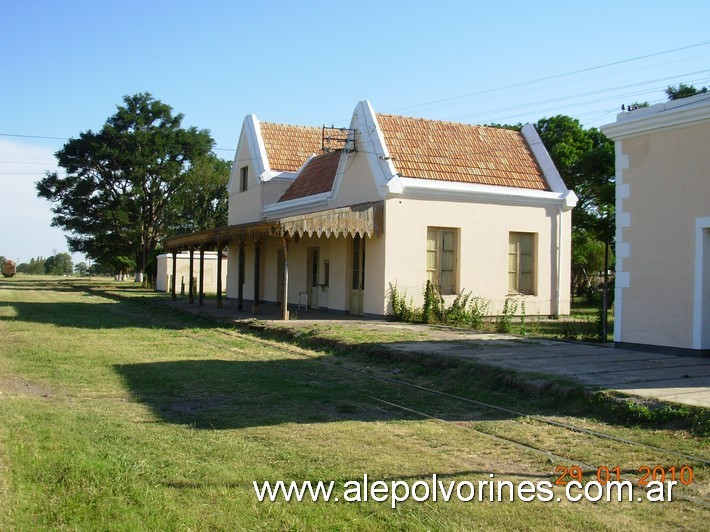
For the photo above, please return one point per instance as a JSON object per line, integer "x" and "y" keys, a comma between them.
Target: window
{"x": 243, "y": 178}
{"x": 441, "y": 259}
{"x": 521, "y": 263}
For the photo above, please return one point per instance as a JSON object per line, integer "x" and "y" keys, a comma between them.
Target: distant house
{"x": 663, "y": 226}
{"x": 341, "y": 216}
{"x": 163, "y": 279}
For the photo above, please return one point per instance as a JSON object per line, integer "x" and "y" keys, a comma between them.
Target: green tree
{"x": 81, "y": 268}
{"x": 683, "y": 91}
{"x": 585, "y": 160}
{"x": 120, "y": 181}
{"x": 202, "y": 202}
{"x": 34, "y": 267}
{"x": 59, "y": 264}
{"x": 587, "y": 260}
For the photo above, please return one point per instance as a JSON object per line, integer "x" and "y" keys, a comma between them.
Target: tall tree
{"x": 585, "y": 160}
{"x": 120, "y": 181}
{"x": 202, "y": 203}
{"x": 59, "y": 264}
{"x": 35, "y": 266}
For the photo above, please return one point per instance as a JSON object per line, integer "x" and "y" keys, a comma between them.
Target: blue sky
{"x": 66, "y": 65}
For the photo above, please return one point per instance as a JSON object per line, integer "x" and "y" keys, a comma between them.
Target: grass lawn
{"x": 128, "y": 415}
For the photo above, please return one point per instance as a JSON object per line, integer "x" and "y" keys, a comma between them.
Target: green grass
{"x": 583, "y": 323}
{"x": 123, "y": 414}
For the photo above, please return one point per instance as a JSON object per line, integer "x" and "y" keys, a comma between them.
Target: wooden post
{"x": 173, "y": 294}
{"x": 219, "y": 274}
{"x": 284, "y": 242}
{"x": 201, "y": 295}
{"x": 257, "y": 279}
{"x": 191, "y": 291}
{"x": 240, "y": 282}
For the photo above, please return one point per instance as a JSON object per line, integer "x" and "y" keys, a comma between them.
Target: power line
{"x": 26, "y": 162}
{"x": 32, "y": 136}
{"x": 67, "y": 138}
{"x": 554, "y": 76}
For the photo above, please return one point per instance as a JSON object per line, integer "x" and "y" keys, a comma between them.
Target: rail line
{"x": 540, "y": 419}
{"x": 589, "y": 468}
{"x": 365, "y": 375}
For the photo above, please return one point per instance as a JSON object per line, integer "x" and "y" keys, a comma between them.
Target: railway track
{"x": 360, "y": 381}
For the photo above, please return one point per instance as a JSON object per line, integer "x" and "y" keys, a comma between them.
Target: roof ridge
{"x": 451, "y": 122}
{"x": 289, "y": 125}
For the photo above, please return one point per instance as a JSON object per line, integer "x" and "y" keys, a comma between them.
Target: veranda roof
{"x": 364, "y": 219}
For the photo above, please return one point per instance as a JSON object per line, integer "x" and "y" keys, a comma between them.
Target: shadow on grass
{"x": 218, "y": 394}
{"x": 93, "y": 315}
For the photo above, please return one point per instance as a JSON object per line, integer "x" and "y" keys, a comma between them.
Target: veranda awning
{"x": 365, "y": 219}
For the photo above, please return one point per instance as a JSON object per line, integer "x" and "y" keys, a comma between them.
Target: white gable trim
{"x": 251, "y": 135}
{"x": 370, "y": 141}
{"x": 256, "y": 145}
{"x": 549, "y": 170}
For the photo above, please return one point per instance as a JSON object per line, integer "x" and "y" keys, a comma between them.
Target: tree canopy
{"x": 125, "y": 183}
{"x": 59, "y": 264}
{"x": 202, "y": 201}
{"x": 35, "y": 266}
{"x": 585, "y": 160}
{"x": 683, "y": 91}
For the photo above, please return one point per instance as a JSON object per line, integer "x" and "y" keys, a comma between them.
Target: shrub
{"x": 505, "y": 320}
{"x": 463, "y": 311}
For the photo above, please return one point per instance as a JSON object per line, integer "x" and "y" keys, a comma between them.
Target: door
{"x": 312, "y": 272}
{"x": 357, "y": 279}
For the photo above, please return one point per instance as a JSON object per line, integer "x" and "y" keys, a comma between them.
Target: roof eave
{"x": 472, "y": 192}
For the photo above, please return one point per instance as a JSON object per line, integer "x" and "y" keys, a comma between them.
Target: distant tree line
{"x": 59, "y": 264}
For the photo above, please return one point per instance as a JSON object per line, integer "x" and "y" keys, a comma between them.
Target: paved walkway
{"x": 652, "y": 375}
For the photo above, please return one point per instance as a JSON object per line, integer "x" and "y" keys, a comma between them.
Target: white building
{"x": 345, "y": 215}
{"x": 663, "y": 226}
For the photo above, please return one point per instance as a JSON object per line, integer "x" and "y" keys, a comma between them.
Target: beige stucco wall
{"x": 399, "y": 256}
{"x": 334, "y": 250}
{"x": 245, "y": 207}
{"x": 182, "y": 271}
{"x": 356, "y": 184}
{"x": 667, "y": 187}
{"x": 483, "y": 230}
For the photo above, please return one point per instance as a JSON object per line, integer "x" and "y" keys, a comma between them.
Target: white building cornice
{"x": 669, "y": 115}
{"x": 446, "y": 190}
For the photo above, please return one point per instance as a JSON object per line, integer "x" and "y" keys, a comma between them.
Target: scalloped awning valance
{"x": 365, "y": 219}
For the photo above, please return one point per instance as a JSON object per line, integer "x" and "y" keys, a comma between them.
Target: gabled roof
{"x": 288, "y": 147}
{"x": 316, "y": 177}
{"x": 463, "y": 153}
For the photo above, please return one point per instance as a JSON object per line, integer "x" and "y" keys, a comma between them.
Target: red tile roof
{"x": 288, "y": 147}
{"x": 448, "y": 151}
{"x": 317, "y": 177}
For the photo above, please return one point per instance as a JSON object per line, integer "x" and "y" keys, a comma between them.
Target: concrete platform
{"x": 652, "y": 375}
